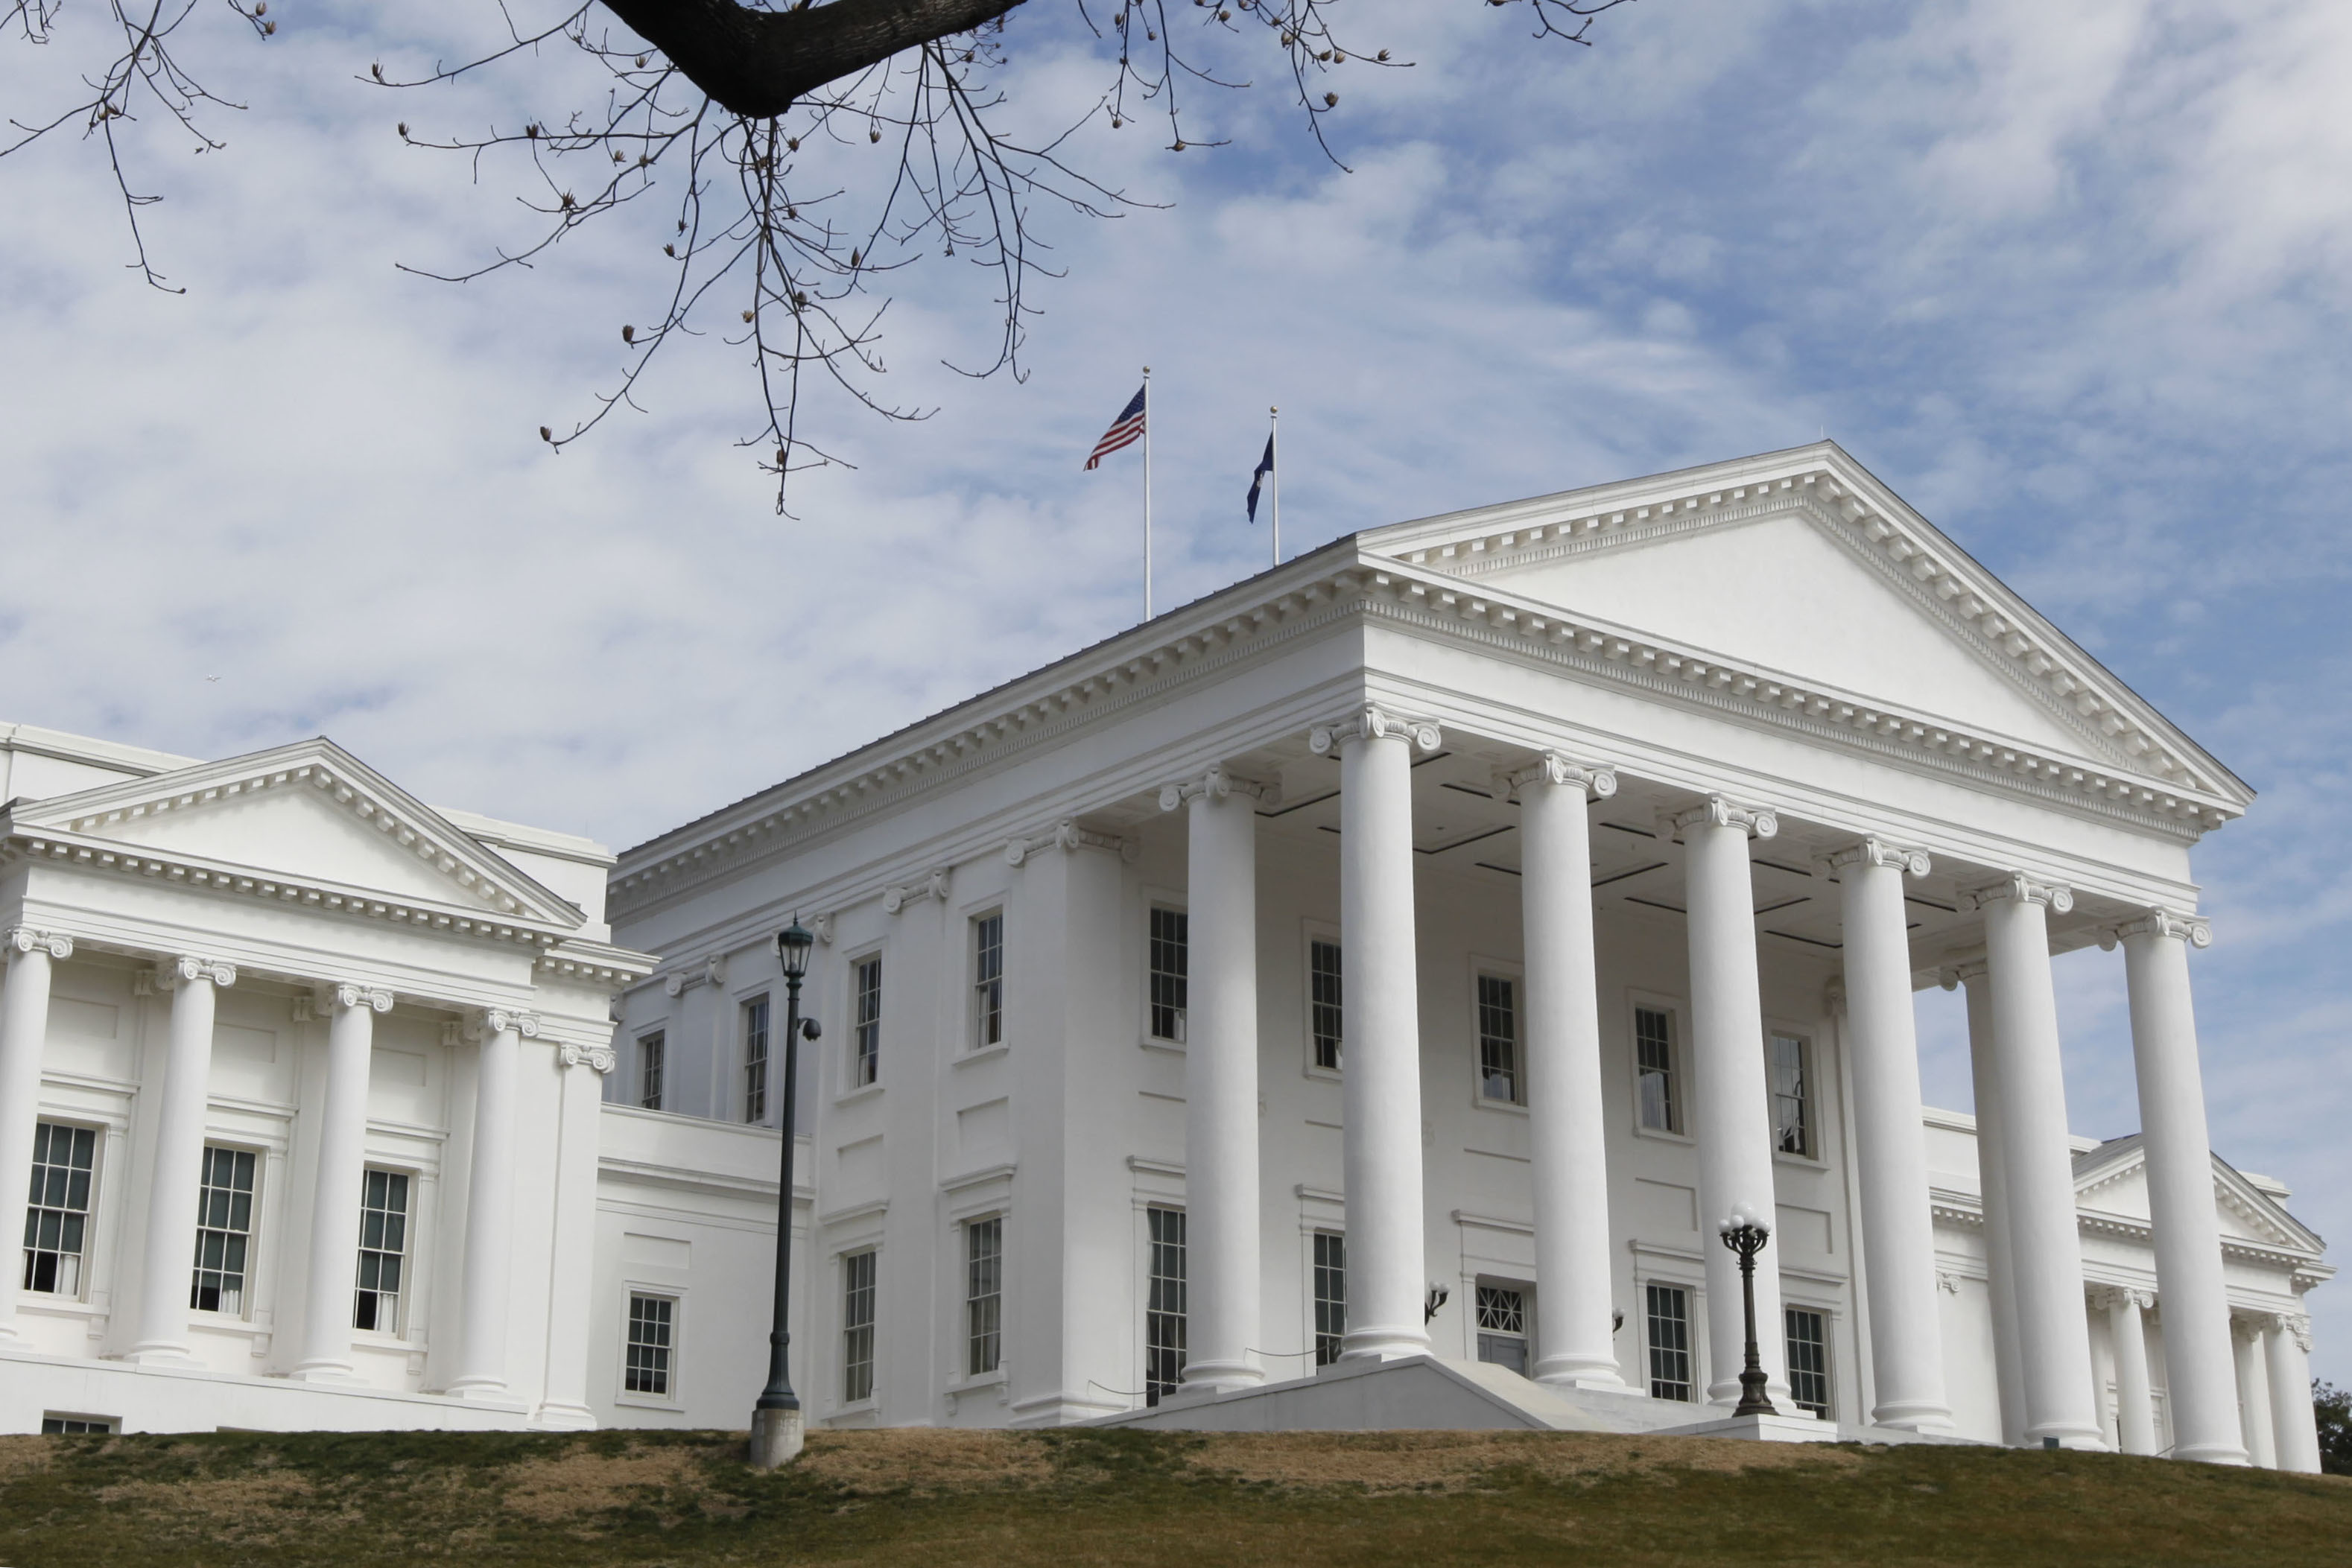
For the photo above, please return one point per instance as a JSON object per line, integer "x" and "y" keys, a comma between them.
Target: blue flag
{"x": 1257, "y": 478}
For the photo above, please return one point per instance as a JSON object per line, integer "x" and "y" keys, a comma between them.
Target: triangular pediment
{"x": 1801, "y": 564}
{"x": 305, "y": 812}
{"x": 2113, "y": 1179}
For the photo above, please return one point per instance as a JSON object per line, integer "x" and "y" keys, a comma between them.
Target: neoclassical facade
{"x": 1403, "y": 957}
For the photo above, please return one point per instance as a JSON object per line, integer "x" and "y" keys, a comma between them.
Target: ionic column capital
{"x": 896, "y": 898}
{"x": 1721, "y": 811}
{"x": 1216, "y": 784}
{"x": 1594, "y": 779}
{"x": 1952, "y": 977}
{"x": 2193, "y": 929}
{"x": 499, "y": 1020}
{"x": 2018, "y": 885}
{"x": 188, "y": 967}
{"x": 2295, "y": 1326}
{"x": 2112, "y": 1296}
{"x": 1870, "y": 850}
{"x": 599, "y": 1056}
{"x": 24, "y": 939}
{"x": 1373, "y": 722}
{"x": 351, "y": 994}
{"x": 1065, "y": 836}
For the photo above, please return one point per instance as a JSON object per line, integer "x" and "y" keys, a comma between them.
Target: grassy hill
{"x": 1003, "y": 1500}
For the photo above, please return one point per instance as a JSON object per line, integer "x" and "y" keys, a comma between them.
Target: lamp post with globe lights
{"x": 776, "y": 1427}
{"x": 1746, "y": 1232}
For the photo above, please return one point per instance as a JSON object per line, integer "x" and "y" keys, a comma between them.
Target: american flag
{"x": 1125, "y": 431}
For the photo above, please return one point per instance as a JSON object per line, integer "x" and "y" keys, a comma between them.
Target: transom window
{"x": 1789, "y": 1059}
{"x": 1163, "y": 1313}
{"x": 1653, "y": 1056}
{"x": 1331, "y": 1295}
{"x": 57, "y": 1212}
{"x": 646, "y": 1367}
{"x": 983, "y": 1295}
{"x": 73, "y": 1423}
{"x": 1498, "y": 1040}
{"x": 1809, "y": 1360}
{"x": 988, "y": 980}
{"x": 1171, "y": 959}
{"x": 1323, "y": 1001}
{"x": 1503, "y": 1326}
{"x": 857, "y": 1326}
{"x": 652, "y": 1050}
{"x": 866, "y": 1027}
{"x": 1670, "y": 1351}
{"x": 383, "y": 1250}
{"x": 224, "y": 1231}
{"x": 755, "y": 1060}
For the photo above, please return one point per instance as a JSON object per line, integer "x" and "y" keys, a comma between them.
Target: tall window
{"x": 1792, "y": 1095}
{"x": 755, "y": 1060}
{"x": 1809, "y": 1360}
{"x": 652, "y": 1049}
{"x": 1331, "y": 1295}
{"x": 224, "y": 1230}
{"x": 646, "y": 1368}
{"x": 57, "y": 1214}
{"x": 1503, "y": 1326}
{"x": 1163, "y": 1313}
{"x": 988, "y": 980}
{"x": 1498, "y": 1040}
{"x": 983, "y": 1294}
{"x": 1170, "y": 958}
{"x": 857, "y": 1327}
{"x": 866, "y": 1027}
{"x": 1654, "y": 1057}
{"x": 383, "y": 1250}
{"x": 1670, "y": 1353}
{"x": 1323, "y": 1001}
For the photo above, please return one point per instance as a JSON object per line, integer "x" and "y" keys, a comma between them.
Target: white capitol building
{"x": 1350, "y": 999}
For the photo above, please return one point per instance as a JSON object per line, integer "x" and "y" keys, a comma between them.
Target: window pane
{"x": 1331, "y": 1295}
{"x": 56, "y": 1212}
{"x": 1503, "y": 1327}
{"x": 1809, "y": 1360}
{"x": 651, "y": 1052}
{"x": 1670, "y": 1357}
{"x": 984, "y": 1296}
{"x": 866, "y": 1040}
{"x": 1171, "y": 938}
{"x": 988, "y": 981}
{"x": 755, "y": 1060}
{"x": 646, "y": 1369}
{"x": 384, "y": 1246}
{"x": 1793, "y": 1119}
{"x": 1499, "y": 1039}
{"x": 1654, "y": 1051}
{"x": 857, "y": 1327}
{"x": 1163, "y": 1313}
{"x": 1323, "y": 995}
{"x": 224, "y": 1225}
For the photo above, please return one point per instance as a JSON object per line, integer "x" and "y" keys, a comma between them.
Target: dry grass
{"x": 1382, "y": 1462}
{"x": 923, "y": 1461}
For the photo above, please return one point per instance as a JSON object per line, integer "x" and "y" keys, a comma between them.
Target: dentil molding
{"x": 2055, "y": 896}
{"x": 1720, "y": 811}
{"x": 1373, "y": 722}
{"x": 1594, "y": 779}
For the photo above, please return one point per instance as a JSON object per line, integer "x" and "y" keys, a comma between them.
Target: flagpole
{"x": 1274, "y": 439}
{"x": 1147, "y": 492}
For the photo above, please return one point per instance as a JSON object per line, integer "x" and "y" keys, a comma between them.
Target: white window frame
{"x": 1479, "y": 1333}
{"x": 1678, "y": 1059}
{"x": 96, "y": 1426}
{"x": 1182, "y": 1313}
{"x": 85, "y": 1259}
{"x": 1811, "y": 1055}
{"x": 1315, "y": 1297}
{"x": 248, "y": 1277}
{"x": 768, "y": 1062}
{"x": 403, "y": 1298}
{"x": 1829, "y": 1316}
{"x": 851, "y": 964}
{"x": 1310, "y": 933}
{"x": 976, "y": 1012}
{"x": 1516, "y": 974}
{"x": 965, "y": 1376}
{"x": 842, "y": 1261}
{"x": 1153, "y": 903}
{"x": 658, "y": 1039}
{"x": 675, "y": 1398}
{"x": 1694, "y": 1332}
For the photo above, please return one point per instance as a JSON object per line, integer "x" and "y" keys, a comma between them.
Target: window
{"x": 71, "y": 1424}
{"x": 652, "y": 1049}
{"x": 1163, "y": 1313}
{"x": 1331, "y": 1295}
{"x": 652, "y": 1321}
{"x": 1670, "y": 1354}
{"x": 988, "y": 980}
{"x": 1792, "y": 1096}
{"x": 865, "y": 1030}
{"x": 1323, "y": 1001}
{"x": 224, "y": 1230}
{"x": 857, "y": 1327}
{"x": 983, "y": 1295}
{"x": 755, "y": 1060}
{"x": 1654, "y": 1057}
{"x": 1503, "y": 1326}
{"x": 1171, "y": 942}
{"x": 1809, "y": 1360}
{"x": 384, "y": 1248}
{"x": 57, "y": 1214}
{"x": 1498, "y": 1040}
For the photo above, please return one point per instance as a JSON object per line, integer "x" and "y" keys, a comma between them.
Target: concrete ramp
{"x": 1421, "y": 1393}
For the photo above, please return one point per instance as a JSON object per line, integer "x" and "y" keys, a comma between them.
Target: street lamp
{"x": 1745, "y": 1233}
{"x": 776, "y": 1418}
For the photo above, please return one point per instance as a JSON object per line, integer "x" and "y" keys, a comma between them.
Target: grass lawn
{"x": 1070, "y": 1498}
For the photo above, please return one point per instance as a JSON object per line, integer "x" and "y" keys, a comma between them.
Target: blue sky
{"x": 2072, "y": 279}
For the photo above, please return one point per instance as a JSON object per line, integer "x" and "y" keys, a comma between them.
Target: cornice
{"x": 596, "y": 964}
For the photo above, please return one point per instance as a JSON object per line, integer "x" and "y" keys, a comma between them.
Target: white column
{"x": 1220, "y": 1170}
{"x": 24, "y": 1026}
{"x": 2053, "y": 1332}
{"x": 167, "y": 1275}
{"x": 1568, "y": 1125}
{"x": 2135, "y": 1393}
{"x": 489, "y": 1208}
{"x": 2295, "y": 1424}
{"x": 2253, "y": 1393}
{"x": 327, "y": 1293}
{"x": 1379, "y": 1064}
{"x": 1992, "y": 1188}
{"x": 582, "y": 1097}
{"x": 2183, "y": 1218}
{"x": 1898, "y": 1234}
{"x": 1731, "y": 1105}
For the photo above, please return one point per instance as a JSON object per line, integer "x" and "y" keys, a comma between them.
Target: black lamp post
{"x": 776, "y": 1418}
{"x": 1746, "y": 1234}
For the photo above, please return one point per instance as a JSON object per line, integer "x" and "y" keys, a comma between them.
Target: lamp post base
{"x": 776, "y": 1438}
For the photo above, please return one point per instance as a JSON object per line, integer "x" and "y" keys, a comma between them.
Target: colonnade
{"x": 2041, "y": 1324}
